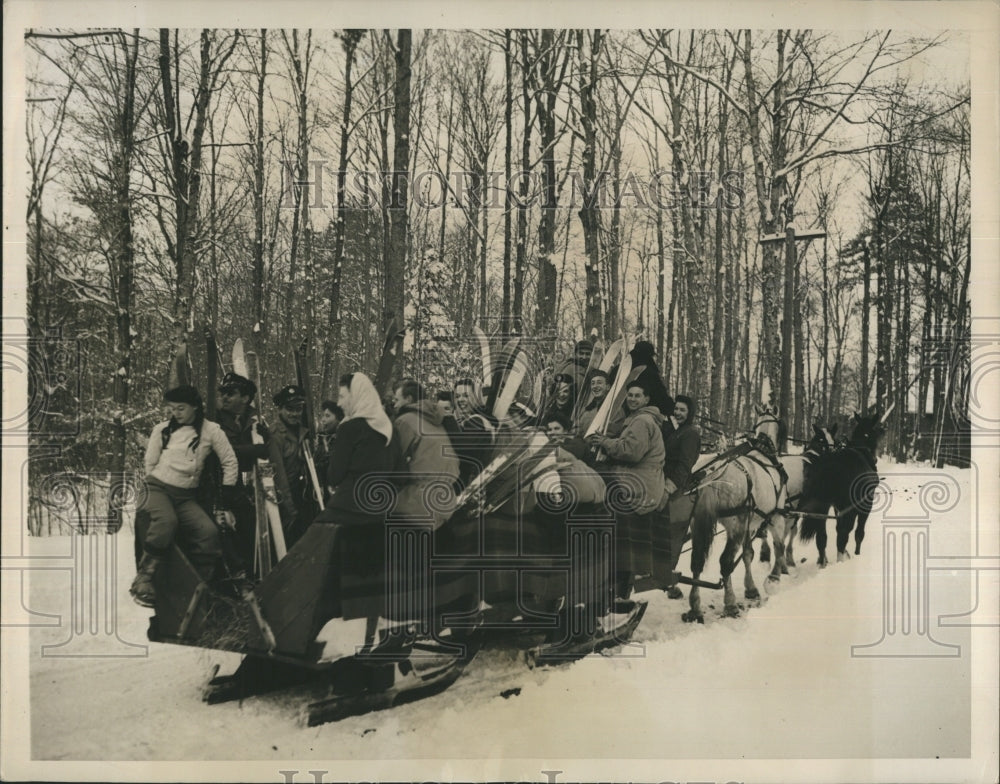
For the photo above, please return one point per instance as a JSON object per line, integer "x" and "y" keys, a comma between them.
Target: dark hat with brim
{"x": 289, "y": 394}
{"x": 236, "y": 382}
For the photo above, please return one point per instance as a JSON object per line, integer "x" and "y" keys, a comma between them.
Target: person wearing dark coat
{"x": 559, "y": 429}
{"x": 563, "y": 397}
{"x": 363, "y": 457}
{"x": 287, "y": 445}
{"x": 474, "y": 444}
{"x": 682, "y": 446}
{"x": 330, "y": 417}
{"x": 643, "y": 355}
{"x": 236, "y": 417}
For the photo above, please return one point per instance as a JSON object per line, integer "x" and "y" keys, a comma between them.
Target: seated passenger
{"x": 175, "y": 457}
{"x": 429, "y": 465}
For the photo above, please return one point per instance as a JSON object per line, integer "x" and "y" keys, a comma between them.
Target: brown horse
{"x": 742, "y": 494}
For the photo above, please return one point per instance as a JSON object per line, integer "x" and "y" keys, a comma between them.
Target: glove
{"x": 225, "y": 519}
{"x": 263, "y": 431}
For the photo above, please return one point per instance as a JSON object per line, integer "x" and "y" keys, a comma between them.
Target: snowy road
{"x": 779, "y": 682}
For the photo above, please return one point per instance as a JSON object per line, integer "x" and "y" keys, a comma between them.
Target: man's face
{"x": 635, "y": 399}
{"x": 681, "y": 413}
{"x": 328, "y": 421}
{"x": 291, "y": 413}
{"x": 399, "y": 399}
{"x": 599, "y": 386}
{"x": 582, "y": 355}
{"x": 233, "y": 401}
{"x": 464, "y": 399}
{"x": 562, "y": 392}
{"x": 445, "y": 407}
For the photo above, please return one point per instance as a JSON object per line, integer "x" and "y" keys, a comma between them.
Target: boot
{"x": 142, "y": 586}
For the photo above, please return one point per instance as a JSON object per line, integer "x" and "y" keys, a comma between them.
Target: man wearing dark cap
{"x": 236, "y": 417}
{"x": 287, "y": 450}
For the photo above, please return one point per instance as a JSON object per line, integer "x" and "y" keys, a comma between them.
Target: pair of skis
{"x": 503, "y": 375}
{"x": 268, "y": 529}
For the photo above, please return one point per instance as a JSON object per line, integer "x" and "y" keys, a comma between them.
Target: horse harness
{"x": 762, "y": 444}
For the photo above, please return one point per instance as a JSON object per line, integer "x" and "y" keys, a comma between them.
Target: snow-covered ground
{"x": 779, "y": 683}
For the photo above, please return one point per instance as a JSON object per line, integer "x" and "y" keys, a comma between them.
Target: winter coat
{"x": 180, "y": 466}
{"x": 474, "y": 444}
{"x": 359, "y": 465}
{"x": 287, "y": 455}
{"x": 239, "y": 431}
{"x": 681, "y": 448}
{"x": 637, "y": 456}
{"x": 429, "y": 465}
{"x": 582, "y": 482}
{"x": 587, "y": 415}
{"x": 658, "y": 395}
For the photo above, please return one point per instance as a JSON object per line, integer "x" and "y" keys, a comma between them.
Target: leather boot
{"x": 142, "y": 586}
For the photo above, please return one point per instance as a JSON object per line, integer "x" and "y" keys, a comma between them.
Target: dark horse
{"x": 846, "y": 480}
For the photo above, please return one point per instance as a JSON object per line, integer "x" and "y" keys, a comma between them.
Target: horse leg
{"x": 727, "y": 565}
{"x": 694, "y": 600}
{"x": 821, "y": 544}
{"x": 750, "y": 591}
{"x": 778, "y": 525}
{"x": 765, "y": 548}
{"x": 859, "y": 532}
{"x": 791, "y": 532}
{"x": 844, "y": 526}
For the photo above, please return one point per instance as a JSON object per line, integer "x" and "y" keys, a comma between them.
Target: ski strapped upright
{"x": 268, "y": 514}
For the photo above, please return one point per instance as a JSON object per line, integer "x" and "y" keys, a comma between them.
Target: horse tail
{"x": 703, "y": 520}
{"x": 810, "y": 527}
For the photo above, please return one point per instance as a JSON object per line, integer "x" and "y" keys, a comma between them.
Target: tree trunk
{"x": 590, "y": 215}
{"x": 398, "y": 223}
{"x": 332, "y": 354}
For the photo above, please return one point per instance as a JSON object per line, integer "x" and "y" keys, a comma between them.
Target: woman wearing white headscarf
{"x": 363, "y": 456}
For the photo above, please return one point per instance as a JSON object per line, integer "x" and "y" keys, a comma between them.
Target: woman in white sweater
{"x": 175, "y": 457}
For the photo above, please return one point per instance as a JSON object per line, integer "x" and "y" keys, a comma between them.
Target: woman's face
{"x": 344, "y": 400}
{"x": 681, "y": 413}
{"x": 183, "y": 412}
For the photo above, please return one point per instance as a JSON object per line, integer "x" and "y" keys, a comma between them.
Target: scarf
{"x": 365, "y": 404}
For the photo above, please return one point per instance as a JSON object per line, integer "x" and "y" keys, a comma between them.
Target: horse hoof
{"x": 844, "y": 556}
{"x": 731, "y": 612}
{"x": 752, "y": 596}
{"x": 822, "y": 564}
{"x": 773, "y": 578}
{"x": 692, "y": 617}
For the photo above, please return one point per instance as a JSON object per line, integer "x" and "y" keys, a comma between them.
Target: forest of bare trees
{"x": 784, "y": 214}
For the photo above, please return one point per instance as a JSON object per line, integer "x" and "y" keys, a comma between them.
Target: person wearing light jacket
{"x": 635, "y": 484}
{"x": 429, "y": 470}
{"x": 175, "y": 457}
